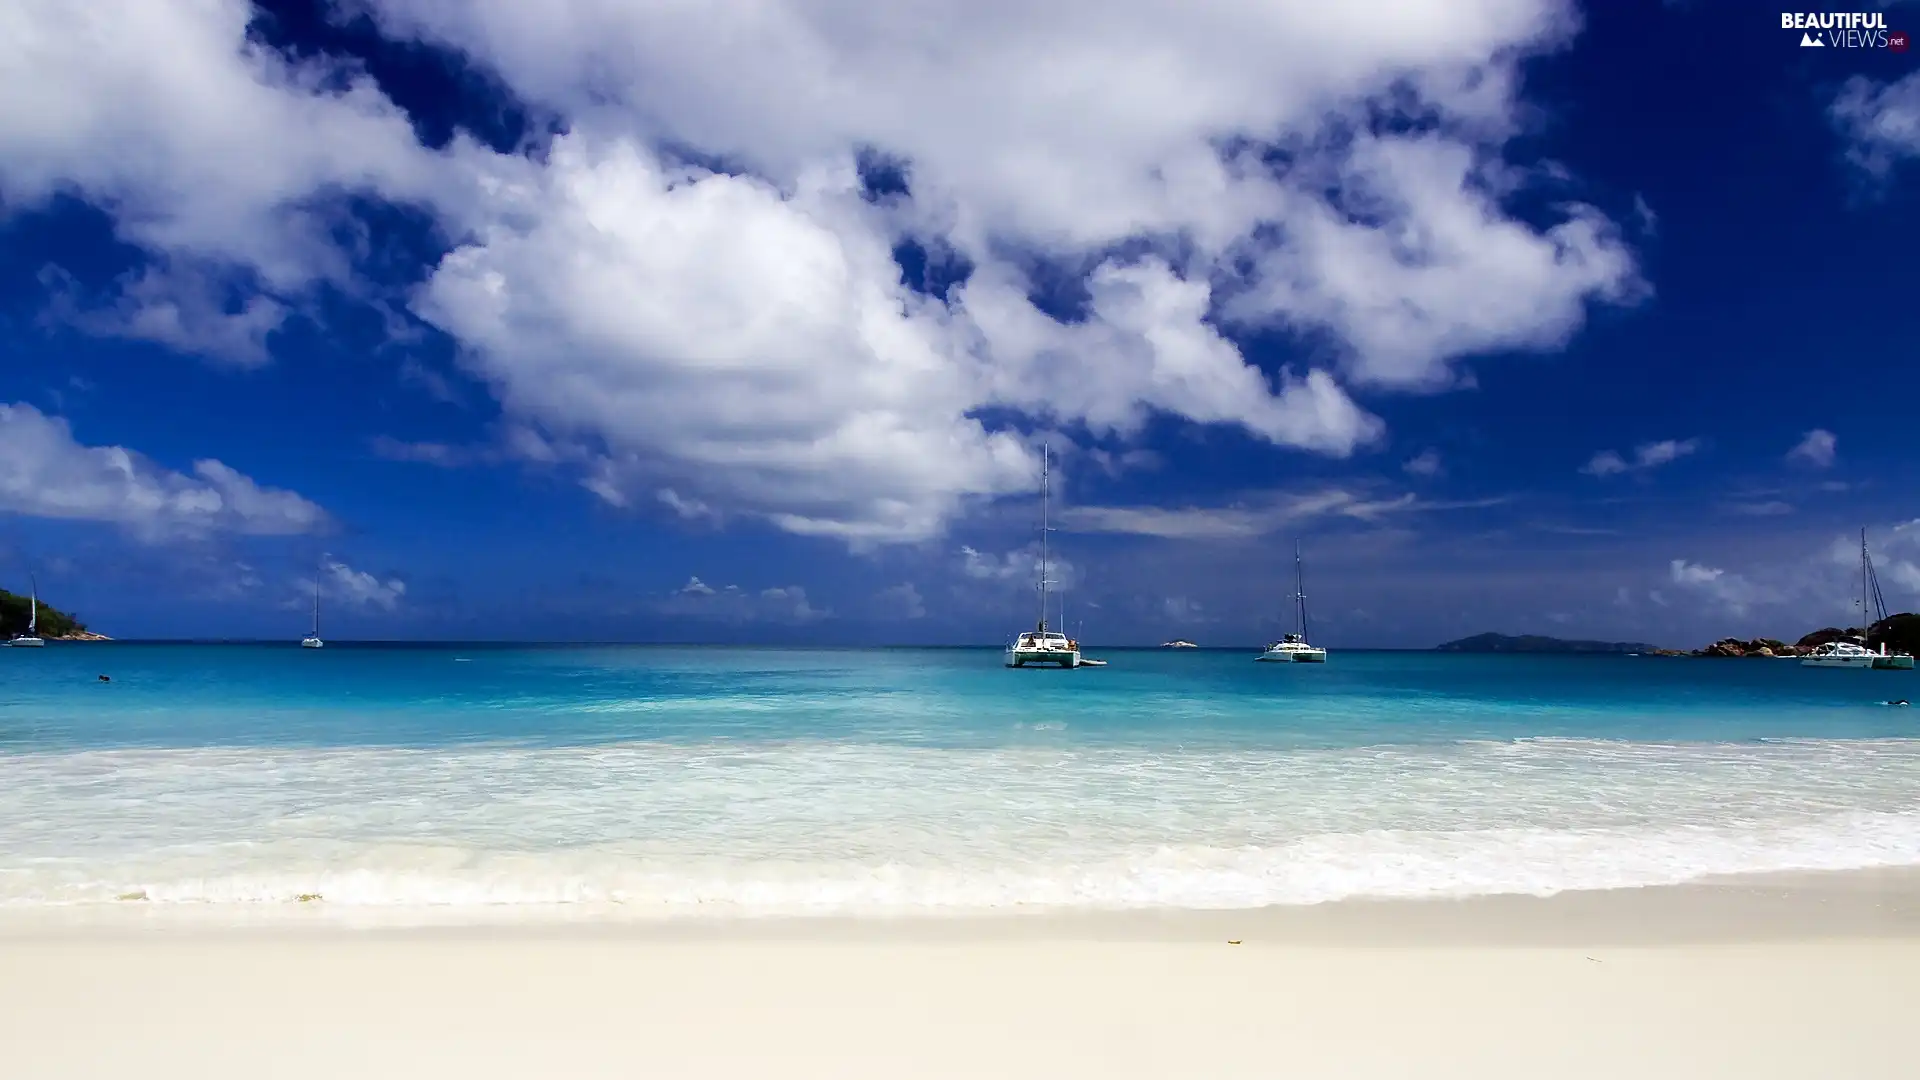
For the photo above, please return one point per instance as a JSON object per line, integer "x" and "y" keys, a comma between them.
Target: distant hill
{"x": 15, "y": 610}
{"x": 1534, "y": 643}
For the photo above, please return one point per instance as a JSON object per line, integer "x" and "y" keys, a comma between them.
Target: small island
{"x": 55, "y": 625}
{"x": 1535, "y": 643}
{"x": 1899, "y": 633}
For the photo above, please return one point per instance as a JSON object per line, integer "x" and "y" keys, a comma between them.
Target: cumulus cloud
{"x": 1819, "y": 585}
{"x": 210, "y": 151}
{"x": 1425, "y": 463}
{"x": 1731, "y": 591}
{"x": 1880, "y": 121}
{"x": 1646, "y": 456}
{"x": 343, "y": 584}
{"x": 1022, "y": 567}
{"x": 45, "y": 472}
{"x": 732, "y": 604}
{"x": 902, "y": 600}
{"x": 1816, "y": 449}
{"x": 743, "y": 341}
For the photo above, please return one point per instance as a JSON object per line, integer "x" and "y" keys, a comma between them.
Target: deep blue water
{"x": 212, "y": 695}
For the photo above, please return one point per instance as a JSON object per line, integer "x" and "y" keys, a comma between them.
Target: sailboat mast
{"x": 33, "y": 600}
{"x": 1046, "y": 525}
{"x": 316, "y": 606}
{"x": 1299, "y": 593}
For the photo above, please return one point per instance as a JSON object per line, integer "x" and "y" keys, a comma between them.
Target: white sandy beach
{"x": 1758, "y": 978}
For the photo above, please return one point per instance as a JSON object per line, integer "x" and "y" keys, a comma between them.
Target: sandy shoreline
{"x": 1807, "y": 975}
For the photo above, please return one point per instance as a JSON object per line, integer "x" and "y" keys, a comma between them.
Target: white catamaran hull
{"x": 1295, "y": 656}
{"x": 1860, "y": 662}
{"x": 1066, "y": 658}
{"x": 26, "y": 643}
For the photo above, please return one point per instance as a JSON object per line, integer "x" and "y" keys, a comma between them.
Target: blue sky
{"x": 585, "y": 321}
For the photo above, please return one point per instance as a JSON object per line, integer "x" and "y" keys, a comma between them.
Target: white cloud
{"x": 209, "y": 150}
{"x": 1260, "y": 516}
{"x": 1731, "y": 591}
{"x": 45, "y": 472}
{"x": 902, "y": 600}
{"x": 1643, "y": 213}
{"x": 425, "y": 453}
{"x": 1425, "y": 463}
{"x": 1820, "y": 586}
{"x": 1021, "y": 567}
{"x": 732, "y": 604}
{"x": 1605, "y": 463}
{"x": 184, "y": 308}
{"x": 1451, "y": 276}
{"x": 1646, "y": 456}
{"x": 343, "y": 584}
{"x": 1145, "y": 345}
{"x": 1763, "y": 508}
{"x": 1880, "y": 121}
{"x": 1816, "y": 449}
{"x": 1180, "y": 609}
{"x": 746, "y": 344}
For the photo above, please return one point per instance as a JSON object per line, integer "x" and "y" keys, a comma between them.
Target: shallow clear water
{"x": 669, "y": 781}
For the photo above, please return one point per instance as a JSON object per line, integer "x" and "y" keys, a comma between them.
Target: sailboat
{"x": 1293, "y": 648}
{"x": 312, "y": 641}
{"x": 1041, "y": 645}
{"x": 31, "y": 639}
{"x": 1870, "y": 592}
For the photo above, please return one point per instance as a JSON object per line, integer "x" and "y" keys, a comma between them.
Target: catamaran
{"x": 1873, "y": 609}
{"x": 1870, "y": 589}
{"x": 1293, "y": 648}
{"x": 1041, "y": 645}
{"x": 1840, "y": 654}
{"x": 312, "y": 641}
{"x": 31, "y": 639}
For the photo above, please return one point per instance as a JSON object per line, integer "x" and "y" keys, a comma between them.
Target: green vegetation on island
{"x": 55, "y": 625}
{"x": 1535, "y": 643}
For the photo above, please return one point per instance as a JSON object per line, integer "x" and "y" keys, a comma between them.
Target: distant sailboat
{"x": 1870, "y": 594}
{"x": 1041, "y": 645}
{"x": 312, "y": 641}
{"x": 31, "y": 639}
{"x": 1293, "y": 648}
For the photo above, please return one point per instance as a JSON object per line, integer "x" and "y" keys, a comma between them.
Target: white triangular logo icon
{"x": 1808, "y": 41}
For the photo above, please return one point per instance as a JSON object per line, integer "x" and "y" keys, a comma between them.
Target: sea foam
{"x": 798, "y": 827}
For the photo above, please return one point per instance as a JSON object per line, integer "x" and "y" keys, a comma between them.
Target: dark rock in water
{"x": 1828, "y": 635}
{"x": 1899, "y": 633}
{"x": 1759, "y": 647}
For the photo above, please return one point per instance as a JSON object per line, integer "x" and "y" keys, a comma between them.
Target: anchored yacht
{"x": 1041, "y": 645}
{"x": 312, "y": 640}
{"x": 1840, "y": 654}
{"x": 1293, "y": 648}
{"x": 31, "y": 639}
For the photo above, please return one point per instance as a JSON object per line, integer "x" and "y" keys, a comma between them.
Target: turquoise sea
{"x": 678, "y": 781}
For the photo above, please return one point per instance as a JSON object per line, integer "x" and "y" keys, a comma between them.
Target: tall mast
{"x": 33, "y": 610}
{"x": 316, "y": 605}
{"x": 1046, "y": 526}
{"x": 1299, "y": 593}
{"x": 1873, "y": 603}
